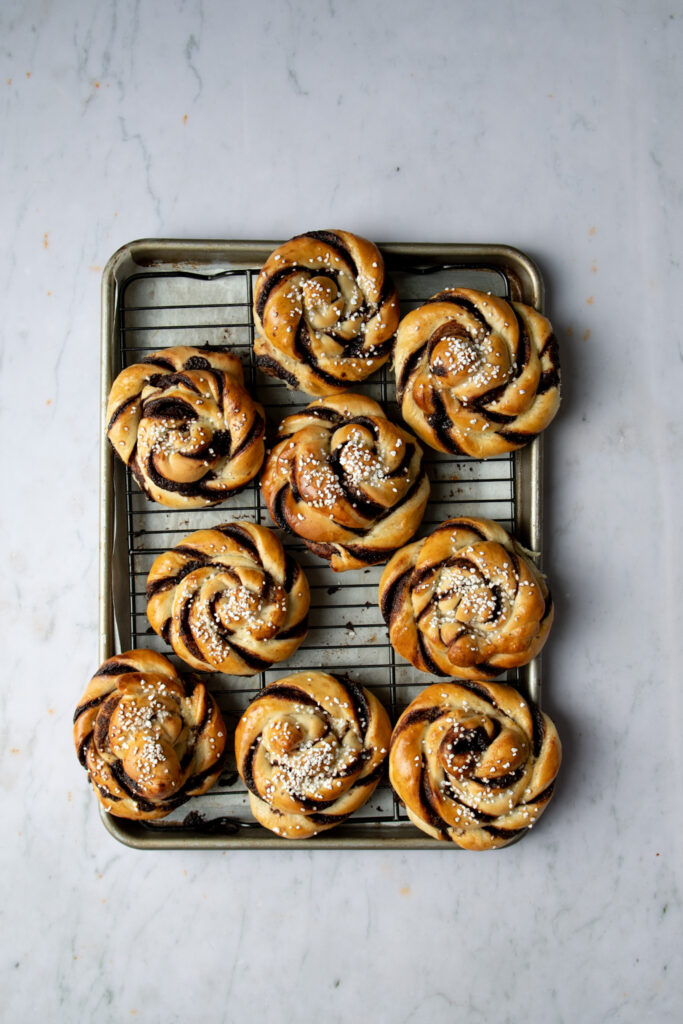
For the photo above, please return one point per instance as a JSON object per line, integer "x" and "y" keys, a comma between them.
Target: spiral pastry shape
{"x": 474, "y": 763}
{"x": 148, "y": 739}
{"x": 229, "y": 599}
{"x": 325, "y": 312}
{"x": 310, "y": 749}
{"x": 466, "y": 601}
{"x": 476, "y": 375}
{"x": 184, "y": 423}
{"x": 346, "y": 480}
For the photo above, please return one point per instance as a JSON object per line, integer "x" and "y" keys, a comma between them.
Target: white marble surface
{"x": 551, "y": 126}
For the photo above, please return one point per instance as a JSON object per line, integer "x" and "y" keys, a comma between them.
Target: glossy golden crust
{"x": 184, "y": 423}
{"x": 475, "y": 374}
{"x": 229, "y": 599}
{"x": 148, "y": 739}
{"x": 474, "y": 763}
{"x": 310, "y": 749}
{"x": 325, "y": 312}
{"x": 346, "y": 480}
{"x": 465, "y": 601}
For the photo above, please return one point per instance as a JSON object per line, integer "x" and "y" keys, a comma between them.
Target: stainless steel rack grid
{"x": 160, "y": 306}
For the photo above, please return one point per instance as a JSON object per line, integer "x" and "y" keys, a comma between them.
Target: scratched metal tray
{"x": 158, "y": 293}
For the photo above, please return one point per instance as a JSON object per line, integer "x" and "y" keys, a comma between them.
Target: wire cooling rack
{"x": 156, "y": 308}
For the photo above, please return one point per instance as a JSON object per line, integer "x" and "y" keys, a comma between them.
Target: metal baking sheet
{"x": 158, "y": 293}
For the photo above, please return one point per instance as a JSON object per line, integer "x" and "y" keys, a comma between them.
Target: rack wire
{"x": 347, "y": 635}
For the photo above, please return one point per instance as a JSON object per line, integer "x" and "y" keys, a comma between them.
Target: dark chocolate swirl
{"x": 148, "y": 739}
{"x": 346, "y": 480}
{"x": 310, "y": 749}
{"x": 465, "y": 601}
{"x": 474, "y": 763}
{"x": 475, "y": 374}
{"x": 325, "y": 312}
{"x": 184, "y": 423}
{"x": 229, "y": 599}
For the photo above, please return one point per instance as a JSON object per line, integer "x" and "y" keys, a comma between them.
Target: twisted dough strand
{"x": 148, "y": 738}
{"x": 310, "y": 749}
{"x": 346, "y": 480}
{"x": 183, "y": 421}
{"x": 229, "y": 599}
{"x": 325, "y": 312}
{"x": 475, "y": 374}
{"x": 465, "y": 601}
{"x": 474, "y": 763}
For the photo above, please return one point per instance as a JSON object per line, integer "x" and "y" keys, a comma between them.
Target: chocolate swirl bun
{"x": 346, "y": 480}
{"x": 183, "y": 421}
{"x": 476, "y": 375}
{"x": 148, "y": 739}
{"x": 474, "y": 763}
{"x": 310, "y": 749}
{"x": 465, "y": 601}
{"x": 325, "y": 312}
{"x": 229, "y": 599}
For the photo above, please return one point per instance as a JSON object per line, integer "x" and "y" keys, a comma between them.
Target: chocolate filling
{"x": 184, "y": 631}
{"x": 415, "y": 716}
{"x": 477, "y": 688}
{"x": 101, "y": 730}
{"x": 516, "y": 437}
{"x": 243, "y": 538}
{"x": 157, "y": 360}
{"x": 168, "y": 582}
{"x": 113, "y": 668}
{"x": 298, "y": 629}
{"x": 441, "y": 424}
{"x": 120, "y": 411}
{"x": 407, "y": 371}
{"x": 289, "y": 692}
{"x": 502, "y": 833}
{"x": 164, "y": 381}
{"x": 256, "y": 432}
{"x": 197, "y": 363}
{"x": 168, "y": 408}
{"x": 335, "y": 243}
{"x": 251, "y": 660}
{"x": 539, "y": 729}
{"x": 361, "y": 708}
{"x": 273, "y": 369}
{"x": 89, "y": 704}
{"x": 426, "y": 798}
{"x": 392, "y": 596}
{"x": 292, "y": 572}
{"x": 427, "y": 658}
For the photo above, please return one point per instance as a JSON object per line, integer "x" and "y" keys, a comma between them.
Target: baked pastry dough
{"x": 325, "y": 312}
{"x": 476, "y": 375}
{"x": 184, "y": 423}
{"x": 229, "y": 599}
{"x": 465, "y": 601}
{"x": 346, "y": 480}
{"x": 474, "y": 763}
{"x": 148, "y": 739}
{"x": 310, "y": 749}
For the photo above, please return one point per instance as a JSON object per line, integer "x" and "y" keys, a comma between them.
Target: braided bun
{"x": 346, "y": 480}
{"x": 310, "y": 750}
{"x": 229, "y": 599}
{"x": 325, "y": 312}
{"x": 148, "y": 739}
{"x": 465, "y": 601}
{"x": 474, "y": 763}
{"x": 476, "y": 375}
{"x": 185, "y": 424}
